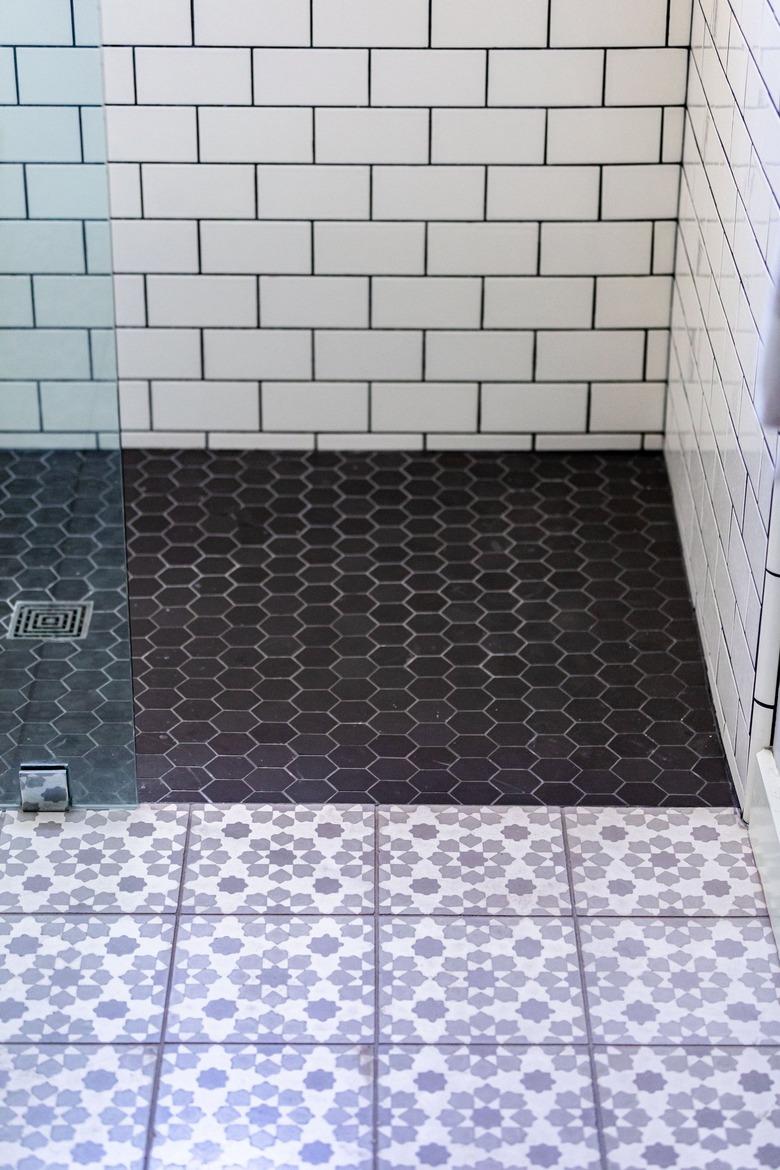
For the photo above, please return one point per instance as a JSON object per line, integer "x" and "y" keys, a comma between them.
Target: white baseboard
{"x": 763, "y": 810}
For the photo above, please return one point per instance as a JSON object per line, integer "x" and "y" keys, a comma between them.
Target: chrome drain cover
{"x": 50, "y": 620}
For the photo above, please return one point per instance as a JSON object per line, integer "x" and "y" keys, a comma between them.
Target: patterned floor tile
{"x": 273, "y": 979}
{"x": 494, "y": 980}
{"x": 285, "y": 858}
{"x": 83, "y": 978}
{"x": 275, "y": 1108}
{"x": 662, "y": 861}
{"x": 471, "y": 861}
{"x": 716, "y": 1109}
{"x": 62, "y": 1107}
{"x": 678, "y": 981}
{"x": 113, "y": 861}
{"x": 486, "y": 1109}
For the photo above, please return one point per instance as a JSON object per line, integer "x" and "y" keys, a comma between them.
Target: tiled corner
{"x": 66, "y": 1106}
{"x": 502, "y": 1108}
{"x": 471, "y": 861}
{"x": 697, "y": 1109}
{"x": 290, "y": 859}
{"x": 273, "y": 980}
{"x": 491, "y": 980}
{"x": 114, "y": 861}
{"x": 80, "y": 978}
{"x": 279, "y": 1108}
{"x": 682, "y": 981}
{"x": 635, "y": 861}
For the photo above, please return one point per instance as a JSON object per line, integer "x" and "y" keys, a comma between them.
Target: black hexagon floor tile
{"x": 431, "y": 628}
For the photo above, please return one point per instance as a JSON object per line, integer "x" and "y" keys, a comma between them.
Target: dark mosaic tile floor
{"x": 394, "y": 627}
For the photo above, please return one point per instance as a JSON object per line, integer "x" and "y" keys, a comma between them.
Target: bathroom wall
{"x": 57, "y": 353}
{"x": 721, "y": 463}
{"x": 394, "y": 223}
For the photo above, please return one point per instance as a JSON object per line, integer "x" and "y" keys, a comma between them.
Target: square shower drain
{"x": 50, "y": 620}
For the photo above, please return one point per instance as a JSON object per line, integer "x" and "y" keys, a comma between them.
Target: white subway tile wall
{"x": 399, "y": 223}
{"x": 721, "y": 463}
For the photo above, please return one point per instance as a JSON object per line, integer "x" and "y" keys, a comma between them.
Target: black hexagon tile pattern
{"x": 415, "y": 628}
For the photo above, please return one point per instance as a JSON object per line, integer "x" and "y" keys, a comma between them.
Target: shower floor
{"x": 415, "y": 628}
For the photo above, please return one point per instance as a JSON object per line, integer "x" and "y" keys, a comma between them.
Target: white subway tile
{"x": 175, "y": 440}
{"x": 146, "y": 22}
{"x": 609, "y": 355}
{"x": 488, "y": 136}
{"x": 124, "y": 189}
{"x": 66, "y": 190}
{"x": 59, "y": 76}
{"x": 253, "y": 135}
{"x": 158, "y": 353}
{"x": 118, "y": 76}
{"x": 483, "y": 442}
{"x": 627, "y": 406}
{"x": 129, "y": 300}
{"x": 428, "y": 192}
{"x": 79, "y": 406}
{"x": 244, "y": 441}
{"x": 12, "y": 200}
{"x": 73, "y": 300}
{"x": 602, "y": 442}
{"x": 311, "y": 77}
{"x": 151, "y": 134}
{"x": 314, "y": 301}
{"x": 664, "y": 242}
{"x": 202, "y": 300}
{"x": 371, "y": 136}
{"x": 604, "y": 135}
{"x": 193, "y": 76}
{"x": 21, "y": 22}
{"x": 680, "y": 22}
{"x": 370, "y": 22}
{"x": 154, "y": 246}
{"x": 501, "y": 22}
{"x": 633, "y": 300}
{"x": 16, "y": 307}
{"x": 39, "y": 134}
{"x": 640, "y": 192}
{"x": 420, "y": 406}
{"x": 368, "y": 354}
{"x": 539, "y": 302}
{"x": 385, "y": 248}
{"x": 646, "y": 77}
{"x": 134, "y": 411}
{"x": 255, "y": 247}
{"x": 607, "y": 22}
{"x": 657, "y": 362}
{"x": 181, "y": 191}
{"x": 7, "y": 76}
{"x": 479, "y": 356}
{"x": 251, "y": 22}
{"x": 529, "y": 406}
{"x": 584, "y": 249}
{"x": 372, "y": 442}
{"x": 206, "y": 405}
{"x": 546, "y": 77}
{"x": 38, "y": 246}
{"x": 318, "y": 406}
{"x": 428, "y": 77}
{"x": 426, "y": 302}
{"x": 313, "y": 192}
{"x": 257, "y": 353}
{"x": 481, "y": 248}
{"x": 543, "y": 193}
{"x": 673, "y": 134}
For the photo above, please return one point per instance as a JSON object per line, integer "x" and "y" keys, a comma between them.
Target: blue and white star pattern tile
{"x": 112, "y": 861}
{"x": 472, "y": 861}
{"x": 486, "y": 1109}
{"x": 63, "y": 1107}
{"x": 682, "y": 981}
{"x": 688, "y": 1109}
{"x": 288, "y": 858}
{"x": 266, "y": 1108}
{"x": 80, "y": 978}
{"x": 512, "y": 981}
{"x": 245, "y": 978}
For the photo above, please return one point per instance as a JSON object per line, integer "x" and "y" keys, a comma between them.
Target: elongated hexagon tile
{"x": 64, "y": 1106}
{"x": 496, "y": 1108}
{"x": 270, "y": 1108}
{"x": 713, "y": 1109}
{"x": 500, "y": 980}
{"x": 471, "y": 861}
{"x": 682, "y": 981}
{"x": 662, "y": 861}
{"x": 272, "y": 979}
{"x": 289, "y": 858}
{"x": 112, "y": 861}
{"x": 83, "y": 978}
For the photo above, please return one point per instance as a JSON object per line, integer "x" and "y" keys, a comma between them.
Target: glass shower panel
{"x": 65, "y": 668}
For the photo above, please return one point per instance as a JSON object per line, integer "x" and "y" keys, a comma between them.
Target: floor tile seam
{"x": 595, "y": 1088}
{"x": 599, "y": 1047}
{"x": 166, "y": 1005}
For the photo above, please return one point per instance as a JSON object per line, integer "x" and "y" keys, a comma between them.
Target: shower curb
{"x": 762, "y": 812}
